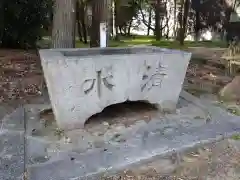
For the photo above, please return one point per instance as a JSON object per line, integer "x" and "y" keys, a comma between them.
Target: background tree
{"x": 95, "y": 25}
{"x": 183, "y": 19}
{"x": 175, "y": 19}
{"x": 159, "y": 7}
{"x": 24, "y": 22}
{"x": 211, "y": 14}
{"x": 157, "y": 19}
{"x": 81, "y": 7}
{"x": 125, "y": 12}
{"x": 64, "y": 20}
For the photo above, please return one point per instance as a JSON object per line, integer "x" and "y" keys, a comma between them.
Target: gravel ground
{"x": 218, "y": 161}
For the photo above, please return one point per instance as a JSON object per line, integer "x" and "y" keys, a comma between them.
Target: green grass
{"x": 163, "y": 43}
{"x": 149, "y": 40}
{"x": 236, "y": 137}
{"x": 176, "y": 45}
{"x": 210, "y": 44}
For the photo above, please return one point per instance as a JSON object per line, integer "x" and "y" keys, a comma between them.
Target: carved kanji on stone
{"x": 103, "y": 77}
{"x": 152, "y": 77}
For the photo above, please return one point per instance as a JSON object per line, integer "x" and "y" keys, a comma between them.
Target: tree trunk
{"x": 79, "y": 28}
{"x": 161, "y": 27}
{"x": 157, "y": 20}
{"x": 105, "y": 17}
{"x": 226, "y": 22}
{"x": 197, "y": 21}
{"x": 175, "y": 19}
{"x": 2, "y": 12}
{"x": 129, "y": 28}
{"x": 197, "y": 26}
{"x": 180, "y": 19}
{"x": 111, "y": 24}
{"x": 184, "y": 21}
{"x": 121, "y": 30}
{"x": 95, "y": 34}
{"x": 110, "y": 20}
{"x": 149, "y": 21}
{"x": 82, "y": 20}
{"x": 168, "y": 28}
{"x": 99, "y": 15}
{"x": 116, "y": 20}
{"x": 117, "y": 33}
{"x": 63, "y": 32}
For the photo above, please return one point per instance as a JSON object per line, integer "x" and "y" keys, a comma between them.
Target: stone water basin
{"x": 82, "y": 82}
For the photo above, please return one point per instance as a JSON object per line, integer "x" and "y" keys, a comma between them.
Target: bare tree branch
{"x": 145, "y": 22}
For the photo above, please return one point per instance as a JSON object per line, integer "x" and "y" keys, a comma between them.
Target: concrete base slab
{"x": 12, "y": 148}
{"x": 51, "y": 153}
{"x": 12, "y": 155}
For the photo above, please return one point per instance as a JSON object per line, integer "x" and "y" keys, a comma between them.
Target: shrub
{"x": 23, "y": 22}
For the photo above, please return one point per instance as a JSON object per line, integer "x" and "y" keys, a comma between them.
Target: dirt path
{"x": 21, "y": 76}
{"x": 209, "y": 53}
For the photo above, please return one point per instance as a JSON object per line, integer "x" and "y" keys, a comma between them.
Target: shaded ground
{"x": 21, "y": 77}
{"x": 21, "y": 81}
{"x": 206, "y": 71}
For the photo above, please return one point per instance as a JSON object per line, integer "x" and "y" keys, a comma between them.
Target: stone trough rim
{"x": 115, "y": 48}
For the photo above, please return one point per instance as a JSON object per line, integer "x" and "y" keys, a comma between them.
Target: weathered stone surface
{"x": 82, "y": 82}
{"x": 14, "y": 121}
{"x": 35, "y": 148}
{"x": 4, "y": 109}
{"x": 12, "y": 145}
{"x": 11, "y": 155}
